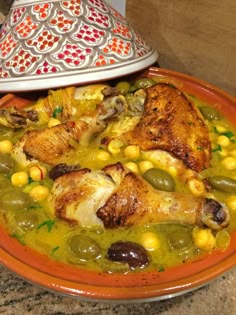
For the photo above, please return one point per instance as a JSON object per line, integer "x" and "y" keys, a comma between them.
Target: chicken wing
{"x": 52, "y": 145}
{"x": 172, "y": 123}
{"x": 116, "y": 197}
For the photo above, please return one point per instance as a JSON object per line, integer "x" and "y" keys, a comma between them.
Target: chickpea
{"x": 203, "y": 239}
{"x": 132, "y": 152}
{"x": 6, "y": 146}
{"x": 229, "y": 163}
{"x": 132, "y": 166}
{"x": 114, "y": 147}
{"x": 150, "y": 241}
{"x": 231, "y": 202}
{"x": 173, "y": 171}
{"x": 53, "y": 122}
{"x": 223, "y": 152}
{"x": 233, "y": 153}
{"x": 37, "y": 172}
{"x": 19, "y": 179}
{"x": 223, "y": 141}
{"x": 220, "y": 128}
{"x": 103, "y": 155}
{"x": 145, "y": 166}
{"x": 39, "y": 193}
{"x": 196, "y": 187}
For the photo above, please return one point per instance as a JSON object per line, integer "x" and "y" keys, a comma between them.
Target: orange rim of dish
{"x": 142, "y": 286}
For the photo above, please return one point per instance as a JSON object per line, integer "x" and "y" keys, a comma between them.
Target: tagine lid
{"x": 48, "y": 44}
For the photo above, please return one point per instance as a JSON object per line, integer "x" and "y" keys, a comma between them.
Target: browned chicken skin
{"x": 117, "y": 197}
{"x": 51, "y": 145}
{"x": 172, "y": 123}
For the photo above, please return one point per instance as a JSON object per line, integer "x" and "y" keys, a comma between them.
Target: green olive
{"x": 143, "y": 83}
{"x": 180, "y": 238}
{"x": 123, "y": 87}
{"x": 83, "y": 248}
{"x": 210, "y": 113}
{"x": 27, "y": 220}
{"x": 223, "y": 183}
{"x": 15, "y": 199}
{"x": 160, "y": 179}
{"x": 5, "y": 132}
{"x": 6, "y": 164}
{"x": 4, "y": 182}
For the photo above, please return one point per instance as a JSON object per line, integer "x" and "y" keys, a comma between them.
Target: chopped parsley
{"x": 218, "y": 148}
{"x": 49, "y": 224}
{"x": 54, "y": 249}
{"x": 19, "y": 239}
{"x": 228, "y": 134}
{"x": 57, "y": 111}
{"x": 161, "y": 269}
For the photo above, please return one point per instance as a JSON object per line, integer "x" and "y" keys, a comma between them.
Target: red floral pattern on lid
{"x": 46, "y": 67}
{"x": 25, "y": 28}
{"x": 44, "y": 42}
{"x": 57, "y": 37}
{"x": 42, "y": 11}
{"x": 16, "y": 15}
{"x": 73, "y": 6}
{"x": 98, "y": 18}
{"x": 61, "y": 22}
{"x": 99, "y": 4}
{"x": 73, "y": 55}
{"x": 103, "y": 61}
{"x": 89, "y": 34}
{"x": 118, "y": 46}
{"x": 122, "y": 30}
{"x": 7, "y": 46}
{"x": 22, "y": 61}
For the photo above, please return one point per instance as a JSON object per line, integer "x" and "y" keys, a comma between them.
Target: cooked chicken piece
{"x": 172, "y": 123}
{"x": 52, "y": 145}
{"x": 65, "y": 104}
{"x": 166, "y": 161}
{"x": 117, "y": 197}
{"x": 76, "y": 196}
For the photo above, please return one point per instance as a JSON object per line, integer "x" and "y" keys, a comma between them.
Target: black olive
{"x": 128, "y": 252}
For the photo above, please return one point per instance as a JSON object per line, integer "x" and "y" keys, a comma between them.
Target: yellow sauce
{"x": 51, "y": 238}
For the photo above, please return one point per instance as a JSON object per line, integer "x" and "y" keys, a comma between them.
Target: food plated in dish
{"x": 122, "y": 185}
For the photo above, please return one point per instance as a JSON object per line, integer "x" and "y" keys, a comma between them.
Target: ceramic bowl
{"x": 47, "y": 44}
{"x": 134, "y": 287}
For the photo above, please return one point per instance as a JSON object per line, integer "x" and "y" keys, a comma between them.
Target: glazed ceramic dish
{"x": 133, "y": 287}
{"x": 48, "y": 44}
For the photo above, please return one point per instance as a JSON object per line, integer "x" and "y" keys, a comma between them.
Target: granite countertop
{"x": 20, "y": 297}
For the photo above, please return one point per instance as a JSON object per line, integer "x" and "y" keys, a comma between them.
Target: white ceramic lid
{"x": 48, "y": 44}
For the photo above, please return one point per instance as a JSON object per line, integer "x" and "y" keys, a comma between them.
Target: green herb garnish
{"x": 49, "y": 224}
{"x": 161, "y": 269}
{"x": 54, "y": 249}
{"x": 57, "y": 111}
{"x": 19, "y": 239}
{"x": 228, "y": 134}
{"x": 218, "y": 148}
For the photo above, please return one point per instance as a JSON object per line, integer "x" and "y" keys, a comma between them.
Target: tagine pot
{"x": 48, "y": 44}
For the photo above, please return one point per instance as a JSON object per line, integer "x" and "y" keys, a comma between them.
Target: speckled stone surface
{"x": 20, "y": 297}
